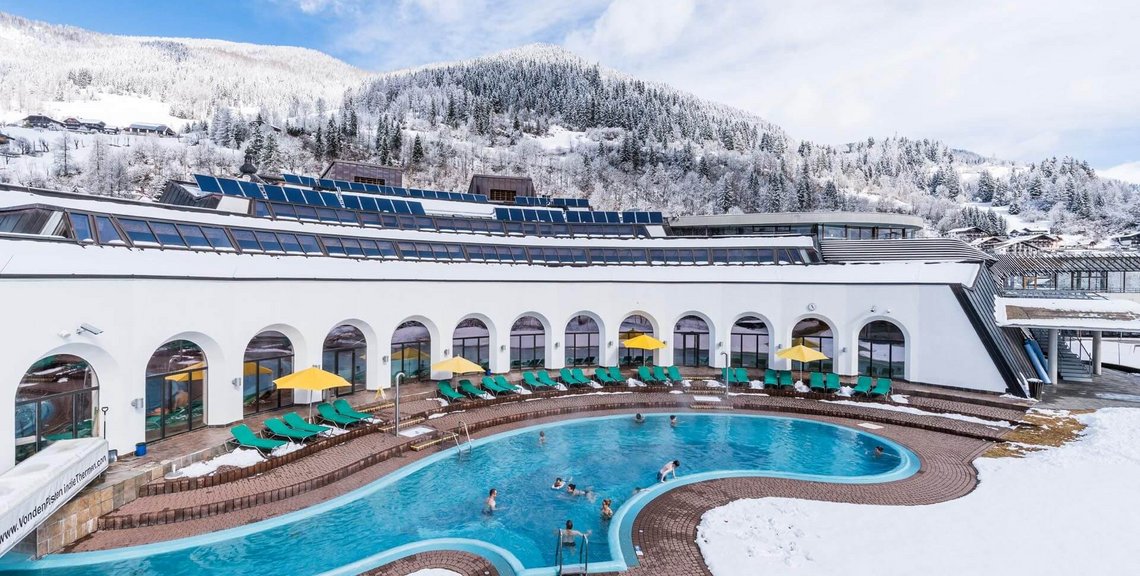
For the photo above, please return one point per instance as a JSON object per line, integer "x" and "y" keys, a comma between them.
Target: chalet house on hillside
{"x": 364, "y": 173}
{"x": 986, "y": 243}
{"x": 1028, "y": 244}
{"x": 1127, "y": 241}
{"x": 503, "y": 189}
{"x": 84, "y": 125}
{"x": 968, "y": 234}
{"x": 41, "y": 121}
{"x": 264, "y": 124}
{"x": 150, "y": 129}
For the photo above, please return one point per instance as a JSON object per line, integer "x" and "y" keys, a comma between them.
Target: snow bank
{"x": 239, "y": 458}
{"x": 1068, "y": 510}
{"x": 909, "y": 410}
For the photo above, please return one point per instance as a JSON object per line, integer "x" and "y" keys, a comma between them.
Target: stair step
{"x": 426, "y": 444}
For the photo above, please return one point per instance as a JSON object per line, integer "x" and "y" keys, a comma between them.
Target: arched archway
{"x": 691, "y": 337}
{"x": 582, "y": 342}
{"x": 816, "y": 333}
{"x": 411, "y": 350}
{"x": 633, "y": 326}
{"x": 268, "y": 357}
{"x": 471, "y": 339}
{"x": 55, "y": 400}
{"x": 175, "y": 389}
{"x": 345, "y": 354}
{"x": 528, "y": 343}
{"x": 882, "y": 350}
{"x": 751, "y": 343}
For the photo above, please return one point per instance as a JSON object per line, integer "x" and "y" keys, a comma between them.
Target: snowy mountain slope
{"x": 577, "y": 128}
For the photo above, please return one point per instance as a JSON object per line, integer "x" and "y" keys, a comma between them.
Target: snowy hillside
{"x": 576, "y": 128}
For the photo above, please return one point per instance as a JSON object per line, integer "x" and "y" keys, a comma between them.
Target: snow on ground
{"x": 434, "y": 572}
{"x": 909, "y": 410}
{"x": 118, "y": 110}
{"x": 560, "y": 140}
{"x": 240, "y": 458}
{"x": 1068, "y": 510}
{"x": 1127, "y": 172}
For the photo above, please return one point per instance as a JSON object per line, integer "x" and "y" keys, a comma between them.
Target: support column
{"x": 1054, "y": 361}
{"x": 1096, "y": 355}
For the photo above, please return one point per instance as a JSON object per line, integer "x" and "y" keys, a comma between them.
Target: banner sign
{"x": 42, "y": 484}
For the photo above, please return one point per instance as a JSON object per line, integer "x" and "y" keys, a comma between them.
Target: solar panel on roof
{"x": 502, "y": 214}
{"x": 557, "y": 217}
{"x": 251, "y": 190}
{"x": 396, "y": 190}
{"x": 573, "y": 217}
{"x": 401, "y": 207}
{"x": 312, "y": 198}
{"x": 417, "y": 208}
{"x": 656, "y": 218}
{"x": 357, "y": 186}
{"x": 291, "y": 178}
{"x": 369, "y": 203}
{"x": 207, "y": 184}
{"x": 275, "y": 193}
{"x": 385, "y": 205}
{"x": 326, "y": 184}
{"x": 230, "y": 187}
{"x": 481, "y": 198}
{"x": 351, "y": 202}
{"x": 294, "y": 195}
{"x": 342, "y": 185}
{"x": 330, "y": 199}
{"x": 371, "y": 188}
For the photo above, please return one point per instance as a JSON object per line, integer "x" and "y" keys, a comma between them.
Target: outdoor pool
{"x": 437, "y": 502}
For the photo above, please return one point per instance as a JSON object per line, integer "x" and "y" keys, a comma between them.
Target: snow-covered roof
{"x": 966, "y": 229}
{"x": 915, "y": 249}
{"x": 145, "y": 126}
{"x": 1074, "y": 314}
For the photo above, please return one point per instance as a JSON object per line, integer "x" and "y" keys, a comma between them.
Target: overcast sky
{"x": 1019, "y": 79}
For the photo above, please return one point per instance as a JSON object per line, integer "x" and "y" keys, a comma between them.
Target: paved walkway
{"x": 1112, "y": 388}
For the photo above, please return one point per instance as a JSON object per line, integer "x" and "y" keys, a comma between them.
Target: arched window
{"x": 411, "y": 350}
{"x": 344, "y": 354}
{"x": 814, "y": 333}
{"x": 633, "y": 326}
{"x": 882, "y": 350}
{"x": 472, "y": 341}
{"x": 175, "y": 390}
{"x": 750, "y": 343}
{"x": 55, "y": 401}
{"x": 691, "y": 342}
{"x": 528, "y": 343}
{"x": 582, "y": 338}
{"x": 268, "y": 357}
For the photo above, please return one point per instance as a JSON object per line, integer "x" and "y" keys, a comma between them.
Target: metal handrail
{"x": 583, "y": 553}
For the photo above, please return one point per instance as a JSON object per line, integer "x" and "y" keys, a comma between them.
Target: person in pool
{"x": 668, "y": 468}
{"x": 489, "y": 504}
{"x": 569, "y": 535}
{"x": 558, "y": 484}
{"x": 607, "y": 511}
{"x": 878, "y": 451}
{"x": 542, "y": 437}
{"x": 638, "y": 418}
{"x": 673, "y": 421}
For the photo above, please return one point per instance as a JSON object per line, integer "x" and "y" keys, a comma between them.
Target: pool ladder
{"x": 466, "y": 433}
{"x": 582, "y": 566}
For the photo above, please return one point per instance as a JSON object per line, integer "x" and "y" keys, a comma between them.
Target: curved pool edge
{"x": 619, "y": 534}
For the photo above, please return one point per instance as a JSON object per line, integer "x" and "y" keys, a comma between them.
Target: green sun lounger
{"x": 544, "y": 377}
{"x": 531, "y": 380}
{"x": 345, "y": 409}
{"x": 833, "y": 382}
{"x": 448, "y": 392}
{"x": 743, "y": 377}
{"x": 862, "y": 386}
{"x": 282, "y": 430}
{"x": 660, "y": 375}
{"x": 615, "y": 373}
{"x": 329, "y": 414}
{"x": 817, "y": 383}
{"x": 729, "y": 376}
{"x": 296, "y": 422}
{"x": 786, "y": 379}
{"x": 581, "y": 376}
{"x": 247, "y": 439}
{"x": 466, "y": 387}
{"x": 770, "y": 378}
{"x": 493, "y": 384}
{"x": 569, "y": 378}
{"x": 882, "y": 387}
{"x": 506, "y": 385}
{"x": 645, "y": 375}
{"x": 674, "y": 374}
{"x": 602, "y": 374}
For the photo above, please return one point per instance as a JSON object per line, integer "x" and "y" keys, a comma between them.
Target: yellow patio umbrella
{"x": 198, "y": 371}
{"x": 313, "y": 379}
{"x": 643, "y": 342}
{"x": 409, "y": 353}
{"x": 801, "y": 354}
{"x": 456, "y": 365}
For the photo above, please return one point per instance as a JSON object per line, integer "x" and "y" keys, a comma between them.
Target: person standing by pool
{"x": 541, "y": 437}
{"x": 569, "y": 535}
{"x": 489, "y": 504}
{"x": 673, "y": 420}
{"x": 607, "y": 512}
{"x": 668, "y": 468}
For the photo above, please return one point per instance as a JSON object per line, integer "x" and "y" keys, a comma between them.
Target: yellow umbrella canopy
{"x": 456, "y": 365}
{"x": 409, "y": 353}
{"x": 198, "y": 371}
{"x": 644, "y": 342}
{"x": 801, "y": 353}
{"x": 311, "y": 379}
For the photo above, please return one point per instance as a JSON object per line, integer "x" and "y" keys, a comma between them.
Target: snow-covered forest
{"x": 577, "y": 129}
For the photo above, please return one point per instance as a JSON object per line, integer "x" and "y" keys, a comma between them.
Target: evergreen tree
{"x": 417, "y": 151}
{"x": 986, "y": 186}
{"x": 396, "y": 142}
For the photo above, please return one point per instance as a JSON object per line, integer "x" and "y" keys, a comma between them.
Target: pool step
{"x": 710, "y": 406}
{"x": 418, "y": 446}
{"x": 405, "y": 422}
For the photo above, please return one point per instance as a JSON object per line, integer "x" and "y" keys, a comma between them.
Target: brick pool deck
{"x": 665, "y": 530}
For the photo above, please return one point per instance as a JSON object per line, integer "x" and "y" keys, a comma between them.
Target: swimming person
{"x": 607, "y": 512}
{"x": 668, "y": 468}
{"x": 878, "y": 451}
{"x": 558, "y": 484}
{"x": 639, "y": 418}
{"x": 569, "y": 535}
{"x": 673, "y": 421}
{"x": 489, "y": 504}
{"x": 542, "y": 437}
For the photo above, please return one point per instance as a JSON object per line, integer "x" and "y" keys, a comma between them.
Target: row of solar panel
{"x": 143, "y": 233}
{"x": 441, "y": 223}
{"x": 344, "y": 185}
{"x": 312, "y": 198}
{"x": 556, "y": 202}
{"x": 577, "y": 217}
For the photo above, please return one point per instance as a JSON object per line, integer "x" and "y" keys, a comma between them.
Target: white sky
{"x": 1020, "y": 79}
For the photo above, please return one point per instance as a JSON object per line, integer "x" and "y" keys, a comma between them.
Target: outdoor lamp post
{"x": 399, "y": 377}
{"x": 104, "y": 411}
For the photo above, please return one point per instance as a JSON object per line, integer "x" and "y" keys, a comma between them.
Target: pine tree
{"x": 830, "y": 196}
{"x": 986, "y": 186}
{"x": 332, "y": 140}
{"x": 417, "y": 151}
{"x": 318, "y": 144}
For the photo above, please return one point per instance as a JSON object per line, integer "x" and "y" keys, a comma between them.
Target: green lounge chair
{"x": 282, "y": 430}
{"x": 785, "y": 378}
{"x": 531, "y": 380}
{"x": 674, "y": 374}
{"x": 743, "y": 377}
{"x": 615, "y": 373}
{"x": 602, "y": 374}
{"x": 345, "y": 409}
{"x": 645, "y": 375}
{"x": 490, "y": 385}
{"x": 729, "y": 376}
{"x": 817, "y": 382}
{"x": 247, "y": 439}
{"x": 448, "y": 392}
{"x": 833, "y": 382}
{"x": 581, "y": 376}
{"x": 770, "y": 378}
{"x": 544, "y": 377}
{"x": 329, "y": 414}
{"x": 882, "y": 387}
{"x": 466, "y": 387}
{"x": 660, "y": 375}
{"x": 505, "y": 385}
{"x": 295, "y": 422}
{"x": 863, "y": 386}
{"x": 568, "y": 377}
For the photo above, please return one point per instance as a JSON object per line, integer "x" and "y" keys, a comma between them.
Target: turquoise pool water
{"x": 437, "y": 502}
